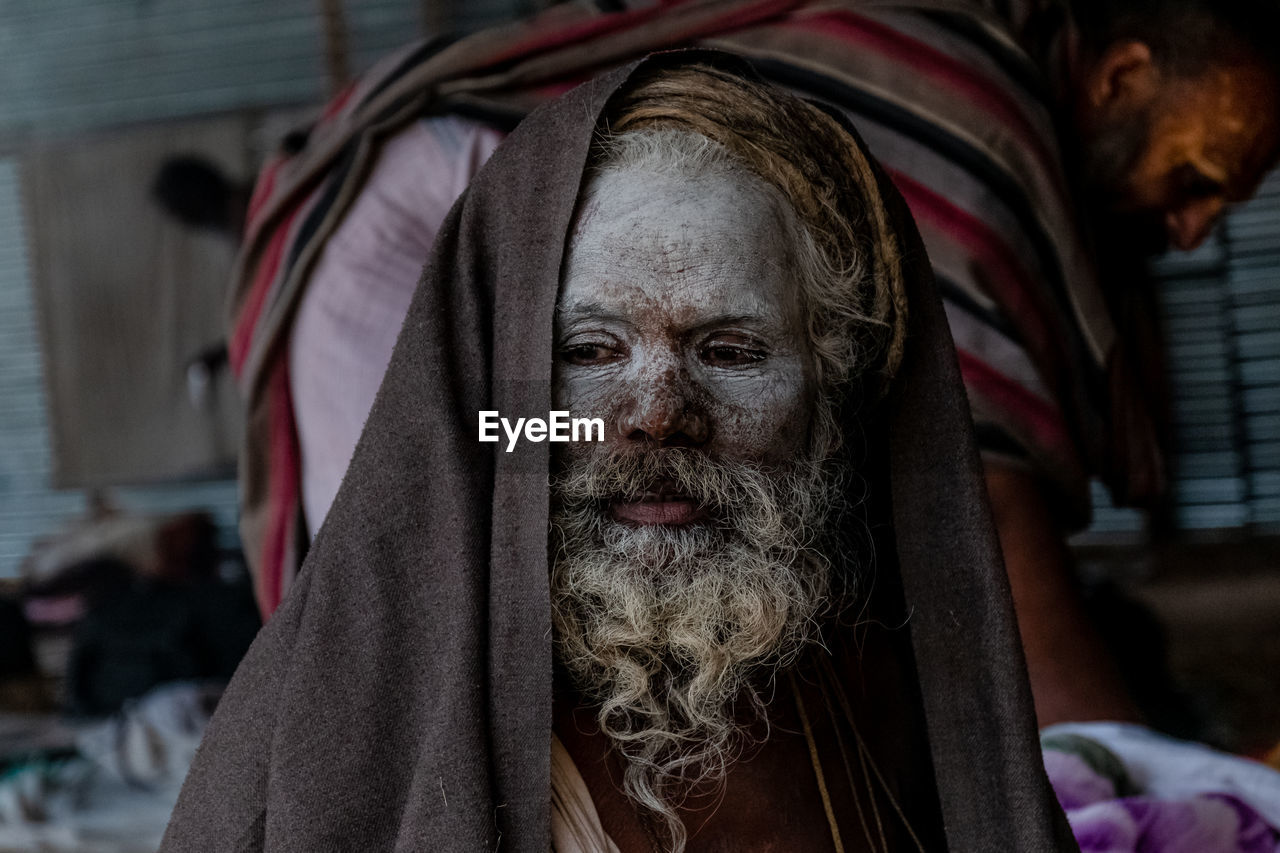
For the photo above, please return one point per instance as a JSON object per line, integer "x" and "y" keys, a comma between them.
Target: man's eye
{"x": 731, "y": 355}
{"x": 588, "y": 354}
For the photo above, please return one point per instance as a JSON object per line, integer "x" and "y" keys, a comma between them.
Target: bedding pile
{"x": 1127, "y": 789}
{"x": 106, "y": 787}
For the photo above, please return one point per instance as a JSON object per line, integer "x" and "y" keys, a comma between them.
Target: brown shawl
{"x": 401, "y": 697}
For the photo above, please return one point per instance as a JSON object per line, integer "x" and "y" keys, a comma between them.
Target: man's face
{"x": 689, "y": 548}
{"x": 680, "y": 325}
{"x": 1166, "y": 168}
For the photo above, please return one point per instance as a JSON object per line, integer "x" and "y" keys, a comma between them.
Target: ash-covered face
{"x": 691, "y": 549}
{"x": 680, "y": 325}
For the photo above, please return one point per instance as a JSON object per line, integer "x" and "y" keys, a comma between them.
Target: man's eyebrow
{"x": 593, "y": 311}
{"x": 598, "y": 311}
{"x": 731, "y": 320}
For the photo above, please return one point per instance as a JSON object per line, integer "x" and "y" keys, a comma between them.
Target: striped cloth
{"x": 359, "y": 291}
{"x": 955, "y": 98}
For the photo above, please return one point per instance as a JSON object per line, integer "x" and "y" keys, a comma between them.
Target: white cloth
{"x": 575, "y": 824}
{"x": 359, "y": 292}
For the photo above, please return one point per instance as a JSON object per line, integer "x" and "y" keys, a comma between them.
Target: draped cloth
{"x": 957, "y": 100}
{"x": 401, "y": 698}
{"x": 575, "y": 824}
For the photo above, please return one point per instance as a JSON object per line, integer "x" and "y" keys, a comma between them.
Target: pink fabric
{"x": 360, "y": 289}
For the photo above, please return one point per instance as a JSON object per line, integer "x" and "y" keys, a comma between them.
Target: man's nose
{"x": 1190, "y": 225}
{"x": 662, "y": 411}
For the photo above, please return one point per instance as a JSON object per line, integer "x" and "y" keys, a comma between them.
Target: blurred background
{"x": 124, "y": 602}
{"x": 94, "y": 96}
{"x": 119, "y": 562}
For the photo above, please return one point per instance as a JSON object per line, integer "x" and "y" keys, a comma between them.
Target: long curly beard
{"x": 675, "y": 631}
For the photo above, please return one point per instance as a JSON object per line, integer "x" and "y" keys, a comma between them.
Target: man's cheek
{"x": 604, "y": 399}
{"x": 572, "y": 454}
{"x": 598, "y": 435}
{"x": 770, "y": 425}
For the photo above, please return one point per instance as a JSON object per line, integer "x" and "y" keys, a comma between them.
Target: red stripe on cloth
{"x": 266, "y": 182}
{"x": 558, "y": 88}
{"x": 339, "y": 101}
{"x": 285, "y": 465}
{"x": 247, "y": 318}
{"x": 560, "y": 36}
{"x": 262, "y": 191}
{"x": 996, "y": 266}
{"x": 555, "y": 36}
{"x": 923, "y": 60}
{"x": 1041, "y": 420}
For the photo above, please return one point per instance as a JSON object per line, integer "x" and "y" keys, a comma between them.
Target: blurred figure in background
{"x": 1038, "y": 147}
{"x": 196, "y": 192}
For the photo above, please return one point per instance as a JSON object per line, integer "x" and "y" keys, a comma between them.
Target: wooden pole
{"x": 336, "y": 51}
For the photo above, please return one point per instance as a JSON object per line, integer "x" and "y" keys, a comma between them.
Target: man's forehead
{"x": 711, "y": 244}
{"x": 633, "y": 307}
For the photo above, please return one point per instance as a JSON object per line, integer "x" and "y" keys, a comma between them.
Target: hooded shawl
{"x": 401, "y": 698}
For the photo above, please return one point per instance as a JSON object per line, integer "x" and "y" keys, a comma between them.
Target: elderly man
{"x": 747, "y": 619}
{"x": 1165, "y": 111}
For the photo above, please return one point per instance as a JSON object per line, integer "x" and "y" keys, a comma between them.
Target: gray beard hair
{"x": 676, "y": 631}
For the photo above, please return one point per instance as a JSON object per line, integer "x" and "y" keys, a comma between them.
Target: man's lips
{"x": 663, "y": 504}
{"x": 657, "y": 512}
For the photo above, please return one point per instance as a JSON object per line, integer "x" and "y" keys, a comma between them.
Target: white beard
{"x": 674, "y": 630}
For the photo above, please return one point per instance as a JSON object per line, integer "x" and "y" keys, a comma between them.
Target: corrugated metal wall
{"x": 27, "y": 506}
{"x": 70, "y": 64}
{"x": 1221, "y": 309}
{"x": 1207, "y": 488}
{"x": 1252, "y": 238}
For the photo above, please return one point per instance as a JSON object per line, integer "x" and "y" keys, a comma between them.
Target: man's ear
{"x": 1122, "y": 79}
